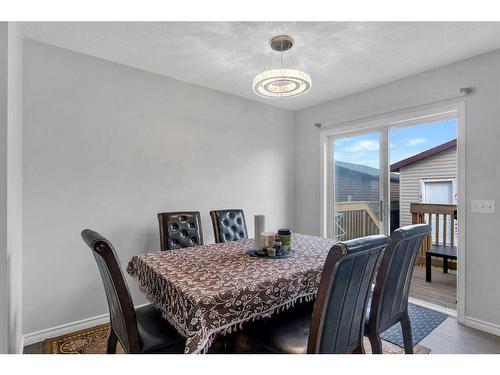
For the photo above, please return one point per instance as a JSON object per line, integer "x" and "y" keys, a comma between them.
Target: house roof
{"x": 364, "y": 169}
{"x": 423, "y": 155}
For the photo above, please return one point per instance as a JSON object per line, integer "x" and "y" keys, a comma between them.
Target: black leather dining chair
{"x": 229, "y": 225}
{"x": 139, "y": 330}
{"x": 389, "y": 304}
{"x": 180, "y": 229}
{"x": 336, "y": 322}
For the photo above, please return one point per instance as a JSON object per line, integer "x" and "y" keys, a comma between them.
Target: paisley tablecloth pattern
{"x": 211, "y": 289}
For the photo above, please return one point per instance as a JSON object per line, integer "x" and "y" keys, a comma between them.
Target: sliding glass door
{"x": 358, "y": 189}
{"x": 394, "y": 170}
{"x": 375, "y": 176}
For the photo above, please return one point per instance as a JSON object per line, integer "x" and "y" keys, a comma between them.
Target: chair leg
{"x": 375, "y": 343}
{"x": 445, "y": 264}
{"x": 407, "y": 336}
{"x": 112, "y": 341}
{"x": 428, "y": 263}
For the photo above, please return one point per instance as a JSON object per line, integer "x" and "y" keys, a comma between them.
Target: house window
{"x": 440, "y": 191}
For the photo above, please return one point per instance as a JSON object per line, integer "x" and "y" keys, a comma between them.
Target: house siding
{"x": 442, "y": 165}
{"x": 394, "y": 191}
{"x": 356, "y": 185}
{"x": 359, "y": 186}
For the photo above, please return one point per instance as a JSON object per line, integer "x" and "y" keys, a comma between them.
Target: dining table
{"x": 211, "y": 290}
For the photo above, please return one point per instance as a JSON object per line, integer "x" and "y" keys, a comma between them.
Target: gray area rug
{"x": 423, "y": 322}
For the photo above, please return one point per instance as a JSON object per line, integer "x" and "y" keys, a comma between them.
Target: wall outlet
{"x": 482, "y": 207}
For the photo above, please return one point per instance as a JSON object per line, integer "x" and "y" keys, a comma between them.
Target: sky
{"x": 403, "y": 143}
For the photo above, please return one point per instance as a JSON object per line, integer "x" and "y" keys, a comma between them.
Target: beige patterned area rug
{"x": 94, "y": 340}
{"x": 87, "y": 341}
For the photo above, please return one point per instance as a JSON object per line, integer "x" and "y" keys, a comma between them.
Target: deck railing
{"x": 356, "y": 219}
{"x": 442, "y": 218}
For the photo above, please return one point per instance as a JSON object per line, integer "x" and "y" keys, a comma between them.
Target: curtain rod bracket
{"x": 467, "y": 90}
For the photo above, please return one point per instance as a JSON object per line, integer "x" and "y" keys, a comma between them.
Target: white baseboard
{"x": 64, "y": 329}
{"x": 432, "y": 306}
{"x": 482, "y": 325}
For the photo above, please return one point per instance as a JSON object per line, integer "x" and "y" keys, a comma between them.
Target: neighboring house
{"x": 356, "y": 182}
{"x": 428, "y": 177}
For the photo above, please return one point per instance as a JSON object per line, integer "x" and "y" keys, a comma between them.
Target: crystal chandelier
{"x": 282, "y": 82}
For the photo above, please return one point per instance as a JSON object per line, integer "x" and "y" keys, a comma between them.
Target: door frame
{"x": 442, "y": 110}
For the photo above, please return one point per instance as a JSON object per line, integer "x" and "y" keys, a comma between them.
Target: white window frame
{"x": 442, "y": 110}
{"x": 453, "y": 181}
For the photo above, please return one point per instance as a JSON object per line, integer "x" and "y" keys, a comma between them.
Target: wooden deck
{"x": 442, "y": 291}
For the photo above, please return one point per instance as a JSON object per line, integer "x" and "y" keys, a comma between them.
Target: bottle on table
{"x": 278, "y": 246}
{"x": 285, "y": 236}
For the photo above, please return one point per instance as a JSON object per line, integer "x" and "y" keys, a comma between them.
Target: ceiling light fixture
{"x": 282, "y": 82}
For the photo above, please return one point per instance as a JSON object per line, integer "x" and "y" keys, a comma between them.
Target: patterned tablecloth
{"x": 207, "y": 290}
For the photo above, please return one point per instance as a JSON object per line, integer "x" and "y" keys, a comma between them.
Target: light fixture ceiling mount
{"x": 281, "y": 43}
{"x": 282, "y": 82}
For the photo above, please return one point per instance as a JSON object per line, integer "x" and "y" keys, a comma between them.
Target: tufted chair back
{"x": 121, "y": 307}
{"x": 338, "y": 319}
{"x": 180, "y": 229}
{"x": 229, "y": 225}
{"x": 390, "y": 296}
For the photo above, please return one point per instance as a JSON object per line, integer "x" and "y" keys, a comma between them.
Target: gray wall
{"x": 483, "y": 138}
{"x": 107, "y": 147}
{"x": 4, "y": 271}
{"x": 10, "y": 187}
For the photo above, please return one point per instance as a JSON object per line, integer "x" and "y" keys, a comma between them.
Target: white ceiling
{"x": 342, "y": 58}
